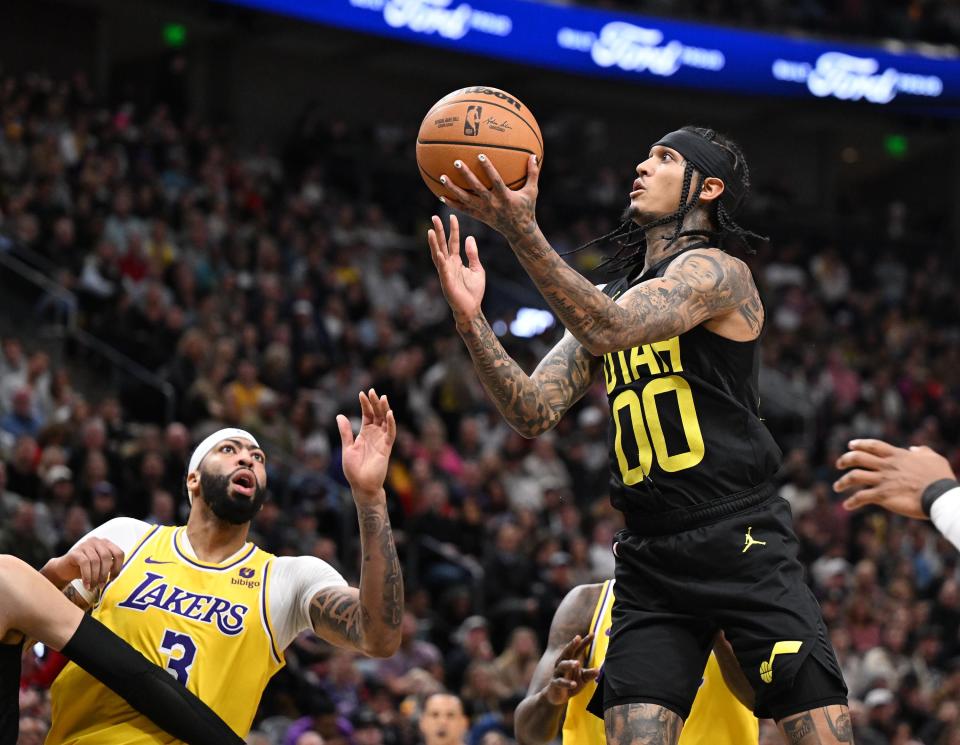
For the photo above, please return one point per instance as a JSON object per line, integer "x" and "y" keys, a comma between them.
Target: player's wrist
{"x": 517, "y": 230}
{"x": 55, "y": 571}
{"x": 934, "y": 491}
{"x": 370, "y": 497}
{"x": 465, "y": 322}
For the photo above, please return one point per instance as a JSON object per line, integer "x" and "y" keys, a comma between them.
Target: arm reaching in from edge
{"x": 560, "y": 674}
{"x": 32, "y": 606}
{"x": 915, "y": 482}
{"x": 531, "y": 404}
{"x": 367, "y": 618}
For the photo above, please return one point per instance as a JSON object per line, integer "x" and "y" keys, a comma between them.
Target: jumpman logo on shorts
{"x": 751, "y": 541}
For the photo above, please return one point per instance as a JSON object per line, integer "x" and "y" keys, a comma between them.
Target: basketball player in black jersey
{"x": 708, "y": 544}
{"x": 31, "y": 606}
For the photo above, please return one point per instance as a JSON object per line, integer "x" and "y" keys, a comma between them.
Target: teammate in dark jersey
{"x": 709, "y": 545}
{"x": 32, "y": 606}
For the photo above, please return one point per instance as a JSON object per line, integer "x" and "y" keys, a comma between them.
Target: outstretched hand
{"x": 891, "y": 477}
{"x": 366, "y": 458}
{"x": 569, "y": 674}
{"x": 510, "y": 213}
{"x": 463, "y": 284}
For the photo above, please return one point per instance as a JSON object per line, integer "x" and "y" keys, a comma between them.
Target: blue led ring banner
{"x": 647, "y": 49}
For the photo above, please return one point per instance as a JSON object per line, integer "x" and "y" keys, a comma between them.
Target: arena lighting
{"x": 649, "y": 50}
{"x": 174, "y": 34}
{"x": 895, "y": 146}
{"x": 531, "y": 322}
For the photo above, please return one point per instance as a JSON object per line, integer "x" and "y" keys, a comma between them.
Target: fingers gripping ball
{"x": 476, "y": 120}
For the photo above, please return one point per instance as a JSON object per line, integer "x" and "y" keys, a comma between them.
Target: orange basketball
{"x": 475, "y": 120}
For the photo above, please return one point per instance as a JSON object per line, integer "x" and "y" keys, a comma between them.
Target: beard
{"x": 234, "y": 510}
{"x": 638, "y": 217}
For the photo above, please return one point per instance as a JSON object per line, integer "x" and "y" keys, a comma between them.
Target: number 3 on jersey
{"x": 181, "y": 650}
{"x": 638, "y": 413}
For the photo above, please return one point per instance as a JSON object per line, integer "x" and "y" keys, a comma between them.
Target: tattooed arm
{"x": 560, "y": 674}
{"x": 701, "y": 286}
{"x": 705, "y": 285}
{"x": 530, "y": 404}
{"x": 367, "y": 618}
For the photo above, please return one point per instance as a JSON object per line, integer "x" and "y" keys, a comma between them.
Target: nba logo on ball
{"x": 471, "y": 124}
{"x": 495, "y": 124}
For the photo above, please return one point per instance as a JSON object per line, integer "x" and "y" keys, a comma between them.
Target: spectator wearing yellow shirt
{"x": 244, "y": 395}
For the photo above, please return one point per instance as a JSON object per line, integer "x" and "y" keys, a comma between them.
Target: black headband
{"x": 711, "y": 160}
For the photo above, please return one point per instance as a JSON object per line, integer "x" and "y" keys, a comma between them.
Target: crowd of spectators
{"x": 269, "y": 286}
{"x": 934, "y": 21}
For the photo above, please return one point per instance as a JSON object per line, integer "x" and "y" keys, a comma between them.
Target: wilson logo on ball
{"x": 505, "y": 97}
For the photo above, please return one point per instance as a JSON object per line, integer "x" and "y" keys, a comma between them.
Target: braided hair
{"x": 631, "y": 238}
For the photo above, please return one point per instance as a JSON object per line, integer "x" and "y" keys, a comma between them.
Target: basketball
{"x": 471, "y": 121}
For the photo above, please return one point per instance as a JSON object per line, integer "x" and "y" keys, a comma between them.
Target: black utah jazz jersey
{"x": 685, "y": 427}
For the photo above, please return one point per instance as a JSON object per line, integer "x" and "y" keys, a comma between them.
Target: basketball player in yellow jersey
{"x": 215, "y": 610}
{"x": 566, "y": 678}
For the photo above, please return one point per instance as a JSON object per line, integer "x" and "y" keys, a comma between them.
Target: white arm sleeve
{"x": 294, "y": 581}
{"x": 945, "y": 514}
{"x": 124, "y": 532}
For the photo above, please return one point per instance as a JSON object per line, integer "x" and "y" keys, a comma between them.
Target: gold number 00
{"x": 645, "y": 410}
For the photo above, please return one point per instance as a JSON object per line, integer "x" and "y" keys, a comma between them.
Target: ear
{"x": 712, "y": 189}
{"x": 193, "y": 484}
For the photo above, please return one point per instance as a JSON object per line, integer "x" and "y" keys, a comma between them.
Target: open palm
{"x": 366, "y": 458}
{"x": 463, "y": 284}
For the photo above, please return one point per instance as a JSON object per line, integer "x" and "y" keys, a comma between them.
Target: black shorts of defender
{"x": 738, "y": 573}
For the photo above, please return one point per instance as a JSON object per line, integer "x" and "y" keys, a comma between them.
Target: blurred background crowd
{"x": 263, "y": 285}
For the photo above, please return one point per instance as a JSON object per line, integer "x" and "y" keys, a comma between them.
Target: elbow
{"x": 528, "y": 432}
{"x": 382, "y": 645}
{"x": 601, "y": 341}
{"x": 523, "y": 737}
{"x": 524, "y": 729}
{"x": 597, "y": 345}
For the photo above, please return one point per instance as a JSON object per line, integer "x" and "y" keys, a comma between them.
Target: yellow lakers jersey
{"x": 206, "y": 624}
{"x": 716, "y": 718}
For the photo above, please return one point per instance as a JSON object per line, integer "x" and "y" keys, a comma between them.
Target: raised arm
{"x": 367, "y": 618}
{"x": 531, "y": 404}
{"x": 705, "y": 284}
{"x": 560, "y": 674}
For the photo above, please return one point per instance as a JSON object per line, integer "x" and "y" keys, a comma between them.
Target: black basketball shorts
{"x": 739, "y": 573}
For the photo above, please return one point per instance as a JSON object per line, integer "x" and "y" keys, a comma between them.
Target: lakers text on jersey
{"x": 206, "y": 624}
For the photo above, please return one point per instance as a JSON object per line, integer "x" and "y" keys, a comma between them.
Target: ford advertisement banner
{"x": 647, "y": 49}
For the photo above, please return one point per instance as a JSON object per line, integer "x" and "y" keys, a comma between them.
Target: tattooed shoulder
{"x": 724, "y": 283}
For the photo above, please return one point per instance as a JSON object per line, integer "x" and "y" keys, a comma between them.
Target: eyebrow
{"x": 240, "y": 446}
{"x": 670, "y": 150}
